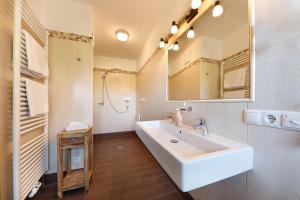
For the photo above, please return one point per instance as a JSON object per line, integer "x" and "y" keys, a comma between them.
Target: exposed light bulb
{"x": 191, "y": 33}
{"x": 171, "y": 47}
{"x": 176, "y": 46}
{"x": 162, "y": 43}
{"x": 196, "y": 4}
{"x": 174, "y": 28}
{"x": 218, "y": 9}
{"x": 122, "y": 35}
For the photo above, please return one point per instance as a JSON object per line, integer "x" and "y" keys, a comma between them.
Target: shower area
{"x": 114, "y": 100}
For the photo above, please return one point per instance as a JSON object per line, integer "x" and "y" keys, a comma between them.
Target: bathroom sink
{"x": 190, "y": 159}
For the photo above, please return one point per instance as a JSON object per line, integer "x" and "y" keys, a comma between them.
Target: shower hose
{"x": 109, "y": 99}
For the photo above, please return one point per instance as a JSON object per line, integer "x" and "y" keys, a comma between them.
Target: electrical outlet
{"x": 275, "y": 119}
{"x": 77, "y": 159}
{"x": 272, "y": 119}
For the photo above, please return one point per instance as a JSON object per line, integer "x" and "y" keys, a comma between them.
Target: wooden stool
{"x": 66, "y": 141}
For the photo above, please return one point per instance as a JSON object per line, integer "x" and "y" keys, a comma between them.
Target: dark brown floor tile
{"x": 162, "y": 179}
{"x": 48, "y": 189}
{"x": 170, "y": 196}
{"x": 151, "y": 192}
{"x": 123, "y": 170}
{"x": 151, "y": 174}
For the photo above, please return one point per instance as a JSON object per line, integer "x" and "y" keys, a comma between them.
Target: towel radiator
{"x": 234, "y": 62}
{"x": 30, "y": 134}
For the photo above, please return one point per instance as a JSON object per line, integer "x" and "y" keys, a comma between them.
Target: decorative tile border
{"x": 237, "y": 54}
{"x": 197, "y": 61}
{"x": 69, "y": 36}
{"x": 210, "y": 60}
{"x": 114, "y": 70}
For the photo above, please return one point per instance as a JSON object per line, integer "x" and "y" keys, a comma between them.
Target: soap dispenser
{"x": 178, "y": 118}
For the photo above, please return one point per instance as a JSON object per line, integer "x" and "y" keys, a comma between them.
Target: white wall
{"x": 66, "y": 16}
{"x": 70, "y": 89}
{"x": 120, "y": 86}
{"x": 276, "y": 173}
{"x": 191, "y": 50}
{"x": 236, "y": 41}
{"x": 110, "y": 63}
{"x": 162, "y": 28}
{"x": 208, "y": 47}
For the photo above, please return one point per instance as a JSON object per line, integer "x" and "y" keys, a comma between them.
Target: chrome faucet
{"x": 186, "y": 108}
{"x": 202, "y": 126}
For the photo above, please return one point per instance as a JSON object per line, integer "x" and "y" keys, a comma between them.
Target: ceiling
{"x": 138, "y": 17}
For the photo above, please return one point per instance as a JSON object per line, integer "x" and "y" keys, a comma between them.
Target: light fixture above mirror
{"x": 196, "y": 4}
{"x": 190, "y": 18}
{"x": 174, "y": 28}
{"x": 162, "y": 43}
{"x": 218, "y": 9}
{"x": 191, "y": 33}
{"x": 215, "y": 54}
{"x": 176, "y": 46}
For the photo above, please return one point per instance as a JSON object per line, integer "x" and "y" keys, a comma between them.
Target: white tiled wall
{"x": 120, "y": 86}
{"x": 70, "y": 89}
{"x": 276, "y": 173}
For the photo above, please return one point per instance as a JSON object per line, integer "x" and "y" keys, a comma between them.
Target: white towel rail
{"x": 28, "y": 123}
{"x": 24, "y": 62}
{"x": 30, "y": 134}
{"x": 31, "y": 20}
{"x": 240, "y": 60}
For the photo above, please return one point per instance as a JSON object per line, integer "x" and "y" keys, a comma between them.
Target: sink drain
{"x": 173, "y": 141}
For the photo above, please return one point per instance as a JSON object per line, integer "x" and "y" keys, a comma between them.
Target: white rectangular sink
{"x": 195, "y": 160}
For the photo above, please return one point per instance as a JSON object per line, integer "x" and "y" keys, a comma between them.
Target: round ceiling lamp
{"x": 122, "y": 35}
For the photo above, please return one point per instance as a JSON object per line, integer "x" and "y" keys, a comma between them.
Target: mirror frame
{"x": 202, "y": 10}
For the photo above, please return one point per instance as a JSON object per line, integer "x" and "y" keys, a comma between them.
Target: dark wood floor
{"x": 123, "y": 169}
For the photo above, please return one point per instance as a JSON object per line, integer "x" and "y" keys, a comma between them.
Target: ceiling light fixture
{"x": 162, "y": 43}
{"x": 218, "y": 9}
{"x": 191, "y": 33}
{"x": 176, "y": 46}
{"x": 122, "y": 35}
{"x": 174, "y": 28}
{"x": 196, "y": 4}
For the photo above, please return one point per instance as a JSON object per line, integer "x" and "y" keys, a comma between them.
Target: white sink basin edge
{"x": 196, "y": 160}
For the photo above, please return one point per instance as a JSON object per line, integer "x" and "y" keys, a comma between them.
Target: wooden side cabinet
{"x": 72, "y": 179}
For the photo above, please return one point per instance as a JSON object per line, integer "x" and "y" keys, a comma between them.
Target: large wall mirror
{"x": 217, "y": 63}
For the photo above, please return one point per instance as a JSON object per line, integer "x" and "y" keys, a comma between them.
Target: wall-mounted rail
{"x": 30, "y": 133}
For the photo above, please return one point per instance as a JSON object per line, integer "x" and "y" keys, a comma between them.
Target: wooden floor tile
{"x": 123, "y": 170}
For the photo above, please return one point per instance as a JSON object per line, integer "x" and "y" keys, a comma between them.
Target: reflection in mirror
{"x": 215, "y": 63}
